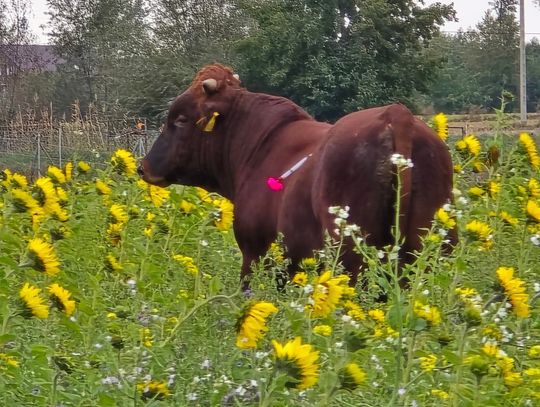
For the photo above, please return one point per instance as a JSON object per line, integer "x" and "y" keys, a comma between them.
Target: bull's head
{"x": 188, "y": 146}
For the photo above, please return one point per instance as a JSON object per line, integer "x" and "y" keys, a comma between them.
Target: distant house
{"x": 16, "y": 59}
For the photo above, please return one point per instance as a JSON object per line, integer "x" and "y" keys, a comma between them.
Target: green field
{"x": 158, "y": 317}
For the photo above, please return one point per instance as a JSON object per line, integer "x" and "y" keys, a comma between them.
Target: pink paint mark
{"x": 275, "y": 184}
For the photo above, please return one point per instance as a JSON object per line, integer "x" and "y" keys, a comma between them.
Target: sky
{"x": 469, "y": 13}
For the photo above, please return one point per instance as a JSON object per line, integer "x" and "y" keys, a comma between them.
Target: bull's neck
{"x": 246, "y": 137}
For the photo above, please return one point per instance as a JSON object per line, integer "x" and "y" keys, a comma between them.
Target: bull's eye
{"x": 180, "y": 120}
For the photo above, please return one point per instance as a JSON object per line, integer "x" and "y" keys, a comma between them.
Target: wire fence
{"x": 30, "y": 146}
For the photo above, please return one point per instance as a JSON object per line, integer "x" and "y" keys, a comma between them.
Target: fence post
{"x": 39, "y": 154}
{"x": 145, "y": 135}
{"x": 60, "y": 146}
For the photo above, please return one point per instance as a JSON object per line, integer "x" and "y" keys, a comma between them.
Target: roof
{"x": 31, "y": 57}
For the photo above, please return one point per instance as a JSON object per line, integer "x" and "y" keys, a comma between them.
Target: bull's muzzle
{"x": 145, "y": 173}
{"x": 140, "y": 171}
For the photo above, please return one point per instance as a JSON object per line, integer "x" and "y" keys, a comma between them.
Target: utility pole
{"x": 522, "y": 64}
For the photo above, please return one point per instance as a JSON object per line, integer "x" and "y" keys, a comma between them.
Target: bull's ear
{"x": 210, "y": 86}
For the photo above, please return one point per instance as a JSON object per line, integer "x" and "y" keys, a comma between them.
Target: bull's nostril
{"x": 140, "y": 170}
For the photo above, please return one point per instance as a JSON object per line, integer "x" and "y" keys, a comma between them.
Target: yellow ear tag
{"x": 210, "y": 125}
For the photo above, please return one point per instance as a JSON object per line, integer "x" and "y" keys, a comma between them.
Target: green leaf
{"x": 104, "y": 400}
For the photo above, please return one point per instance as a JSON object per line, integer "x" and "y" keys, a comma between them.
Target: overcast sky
{"x": 469, "y": 13}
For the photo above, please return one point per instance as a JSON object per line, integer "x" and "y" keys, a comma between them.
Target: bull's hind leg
{"x": 430, "y": 190}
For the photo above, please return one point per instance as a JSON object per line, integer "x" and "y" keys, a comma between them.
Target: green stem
{"x": 459, "y": 371}
{"x": 141, "y": 266}
{"x": 195, "y": 309}
{"x": 394, "y": 272}
{"x": 54, "y": 387}
{"x": 5, "y": 321}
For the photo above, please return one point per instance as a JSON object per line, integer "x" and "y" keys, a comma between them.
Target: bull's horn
{"x": 209, "y": 85}
{"x": 236, "y": 76}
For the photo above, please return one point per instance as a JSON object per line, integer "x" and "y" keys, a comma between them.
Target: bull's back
{"x": 355, "y": 170}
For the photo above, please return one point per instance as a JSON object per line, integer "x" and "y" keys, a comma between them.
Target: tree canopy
{"x": 329, "y": 56}
{"x": 338, "y": 56}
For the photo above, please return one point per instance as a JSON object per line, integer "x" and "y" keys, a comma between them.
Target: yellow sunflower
{"x": 48, "y": 198}
{"x": 298, "y": 361}
{"x": 377, "y": 315}
{"x": 10, "y": 180}
{"x": 124, "y": 162}
{"x": 9, "y": 360}
{"x": 61, "y": 299}
{"x": 102, "y": 187}
{"x": 147, "y": 339}
{"x": 118, "y": 214}
{"x": 23, "y": 201}
{"x": 83, "y": 167}
{"x": 68, "y": 171}
{"x": 158, "y": 195}
{"x": 470, "y": 144}
{"x": 481, "y": 232}
{"x": 46, "y": 194}
{"x": 112, "y": 263}
{"x": 225, "y": 216}
{"x": 323, "y": 330}
{"x": 308, "y": 263}
{"x": 56, "y": 175}
{"x": 440, "y": 394}
{"x": 533, "y": 187}
{"x": 203, "y": 195}
{"x": 533, "y": 210}
{"x": 477, "y": 166}
{"x": 508, "y": 219}
{"x": 43, "y": 257}
{"x": 445, "y": 219}
{"x": 494, "y": 188}
{"x": 33, "y": 303}
{"x": 476, "y": 191}
{"x": 354, "y": 310}
{"x": 114, "y": 233}
{"x": 440, "y": 122}
{"x": 276, "y": 253}
{"x": 300, "y": 278}
{"x": 428, "y": 312}
{"x": 188, "y": 263}
{"x": 327, "y": 292}
{"x": 534, "y": 351}
{"x": 352, "y": 376}
{"x": 186, "y": 206}
{"x": 251, "y": 325}
{"x": 62, "y": 195}
{"x": 515, "y": 290}
{"x": 428, "y": 363}
{"x": 528, "y": 144}
{"x": 153, "y": 390}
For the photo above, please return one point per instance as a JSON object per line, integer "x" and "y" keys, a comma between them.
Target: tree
{"x": 533, "y": 75}
{"x": 186, "y": 35}
{"x": 498, "y": 48}
{"x": 337, "y": 56}
{"x": 101, "y": 42}
{"x": 14, "y": 34}
{"x": 455, "y": 88}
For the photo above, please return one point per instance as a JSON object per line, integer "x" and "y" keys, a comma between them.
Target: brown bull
{"x": 228, "y": 140}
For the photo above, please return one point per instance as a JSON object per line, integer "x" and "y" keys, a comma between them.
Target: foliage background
{"x": 130, "y": 57}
